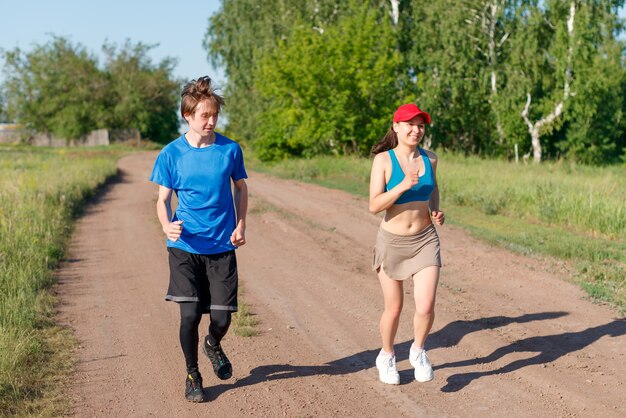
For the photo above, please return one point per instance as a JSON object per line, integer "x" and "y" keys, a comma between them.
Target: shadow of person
{"x": 453, "y": 333}
{"x": 548, "y": 349}
{"x": 450, "y": 335}
{"x": 347, "y": 365}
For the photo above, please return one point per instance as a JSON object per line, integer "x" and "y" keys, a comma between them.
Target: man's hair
{"x": 196, "y": 91}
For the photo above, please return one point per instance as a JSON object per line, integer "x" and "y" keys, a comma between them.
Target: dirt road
{"x": 511, "y": 338}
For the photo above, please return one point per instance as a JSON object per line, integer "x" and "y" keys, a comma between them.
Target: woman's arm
{"x": 437, "y": 215}
{"x": 379, "y": 199}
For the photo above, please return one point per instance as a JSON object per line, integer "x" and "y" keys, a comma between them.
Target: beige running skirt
{"x": 401, "y": 256}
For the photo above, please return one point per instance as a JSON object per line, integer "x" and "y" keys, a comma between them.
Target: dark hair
{"x": 196, "y": 91}
{"x": 389, "y": 141}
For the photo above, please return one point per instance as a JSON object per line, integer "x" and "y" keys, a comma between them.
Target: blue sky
{"x": 178, "y": 27}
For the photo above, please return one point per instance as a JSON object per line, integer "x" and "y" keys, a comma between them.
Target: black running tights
{"x": 190, "y": 316}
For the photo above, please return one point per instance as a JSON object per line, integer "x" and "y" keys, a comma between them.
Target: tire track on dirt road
{"x": 510, "y": 338}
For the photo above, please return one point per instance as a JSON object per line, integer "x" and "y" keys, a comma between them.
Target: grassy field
{"x": 41, "y": 191}
{"x": 573, "y": 216}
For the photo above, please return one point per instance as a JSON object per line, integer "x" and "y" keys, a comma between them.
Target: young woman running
{"x": 403, "y": 184}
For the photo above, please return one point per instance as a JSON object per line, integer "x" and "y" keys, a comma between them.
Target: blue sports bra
{"x": 422, "y": 190}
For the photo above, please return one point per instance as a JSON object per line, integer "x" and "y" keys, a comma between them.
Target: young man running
{"x": 207, "y": 226}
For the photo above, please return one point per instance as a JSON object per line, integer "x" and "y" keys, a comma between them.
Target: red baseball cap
{"x": 408, "y": 112}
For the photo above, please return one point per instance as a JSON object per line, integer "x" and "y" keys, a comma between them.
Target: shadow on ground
{"x": 549, "y": 348}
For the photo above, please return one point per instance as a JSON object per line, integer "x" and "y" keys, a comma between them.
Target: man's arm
{"x": 238, "y": 237}
{"x": 164, "y": 212}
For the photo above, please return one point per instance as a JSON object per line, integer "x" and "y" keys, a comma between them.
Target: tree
{"x": 141, "y": 95}
{"x": 534, "y": 129}
{"x": 563, "y": 69}
{"x": 56, "y": 88}
{"x": 450, "y": 74}
{"x": 3, "y": 117}
{"x": 494, "y": 17}
{"x": 242, "y": 32}
{"x": 546, "y": 74}
{"x": 594, "y": 117}
{"x": 336, "y": 92}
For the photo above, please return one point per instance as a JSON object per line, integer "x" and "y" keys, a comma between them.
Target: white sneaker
{"x": 423, "y": 368}
{"x": 387, "y": 371}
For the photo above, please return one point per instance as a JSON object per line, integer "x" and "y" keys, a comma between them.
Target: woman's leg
{"x": 425, "y": 289}
{"x": 393, "y": 297}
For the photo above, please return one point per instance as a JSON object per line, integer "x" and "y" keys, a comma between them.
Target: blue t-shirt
{"x": 200, "y": 177}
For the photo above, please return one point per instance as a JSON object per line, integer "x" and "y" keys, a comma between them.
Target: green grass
{"x": 597, "y": 264}
{"x": 244, "y": 321}
{"x": 589, "y": 200}
{"x": 41, "y": 191}
{"x": 559, "y": 210}
{"x": 346, "y": 173}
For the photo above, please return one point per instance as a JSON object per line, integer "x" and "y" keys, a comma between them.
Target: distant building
{"x": 11, "y": 133}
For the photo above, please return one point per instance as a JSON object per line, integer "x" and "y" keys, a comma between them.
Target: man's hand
{"x": 173, "y": 230}
{"x": 238, "y": 237}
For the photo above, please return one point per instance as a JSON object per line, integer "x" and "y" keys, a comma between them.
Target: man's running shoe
{"x": 194, "y": 391}
{"x": 221, "y": 365}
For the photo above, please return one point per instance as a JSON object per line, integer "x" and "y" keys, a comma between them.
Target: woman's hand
{"x": 438, "y": 217}
{"x": 410, "y": 180}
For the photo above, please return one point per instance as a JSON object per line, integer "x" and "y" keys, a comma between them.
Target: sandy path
{"x": 510, "y": 339}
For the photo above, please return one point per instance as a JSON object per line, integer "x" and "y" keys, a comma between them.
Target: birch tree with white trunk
{"x": 395, "y": 11}
{"x": 534, "y": 129}
{"x": 488, "y": 19}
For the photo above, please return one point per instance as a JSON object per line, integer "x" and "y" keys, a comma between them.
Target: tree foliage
{"x": 452, "y": 72}
{"x": 594, "y": 122}
{"x": 323, "y": 76}
{"x": 55, "y": 88}
{"x": 59, "y": 88}
{"x": 141, "y": 95}
{"x": 245, "y": 31}
{"x": 349, "y": 71}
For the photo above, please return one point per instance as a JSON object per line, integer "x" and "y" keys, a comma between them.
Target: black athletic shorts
{"x": 210, "y": 279}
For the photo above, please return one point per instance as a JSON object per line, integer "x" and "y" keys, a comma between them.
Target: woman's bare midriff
{"x": 407, "y": 218}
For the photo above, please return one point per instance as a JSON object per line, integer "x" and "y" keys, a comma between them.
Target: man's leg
{"x": 190, "y": 316}
{"x": 223, "y": 281}
{"x": 185, "y": 276}
{"x": 220, "y": 322}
